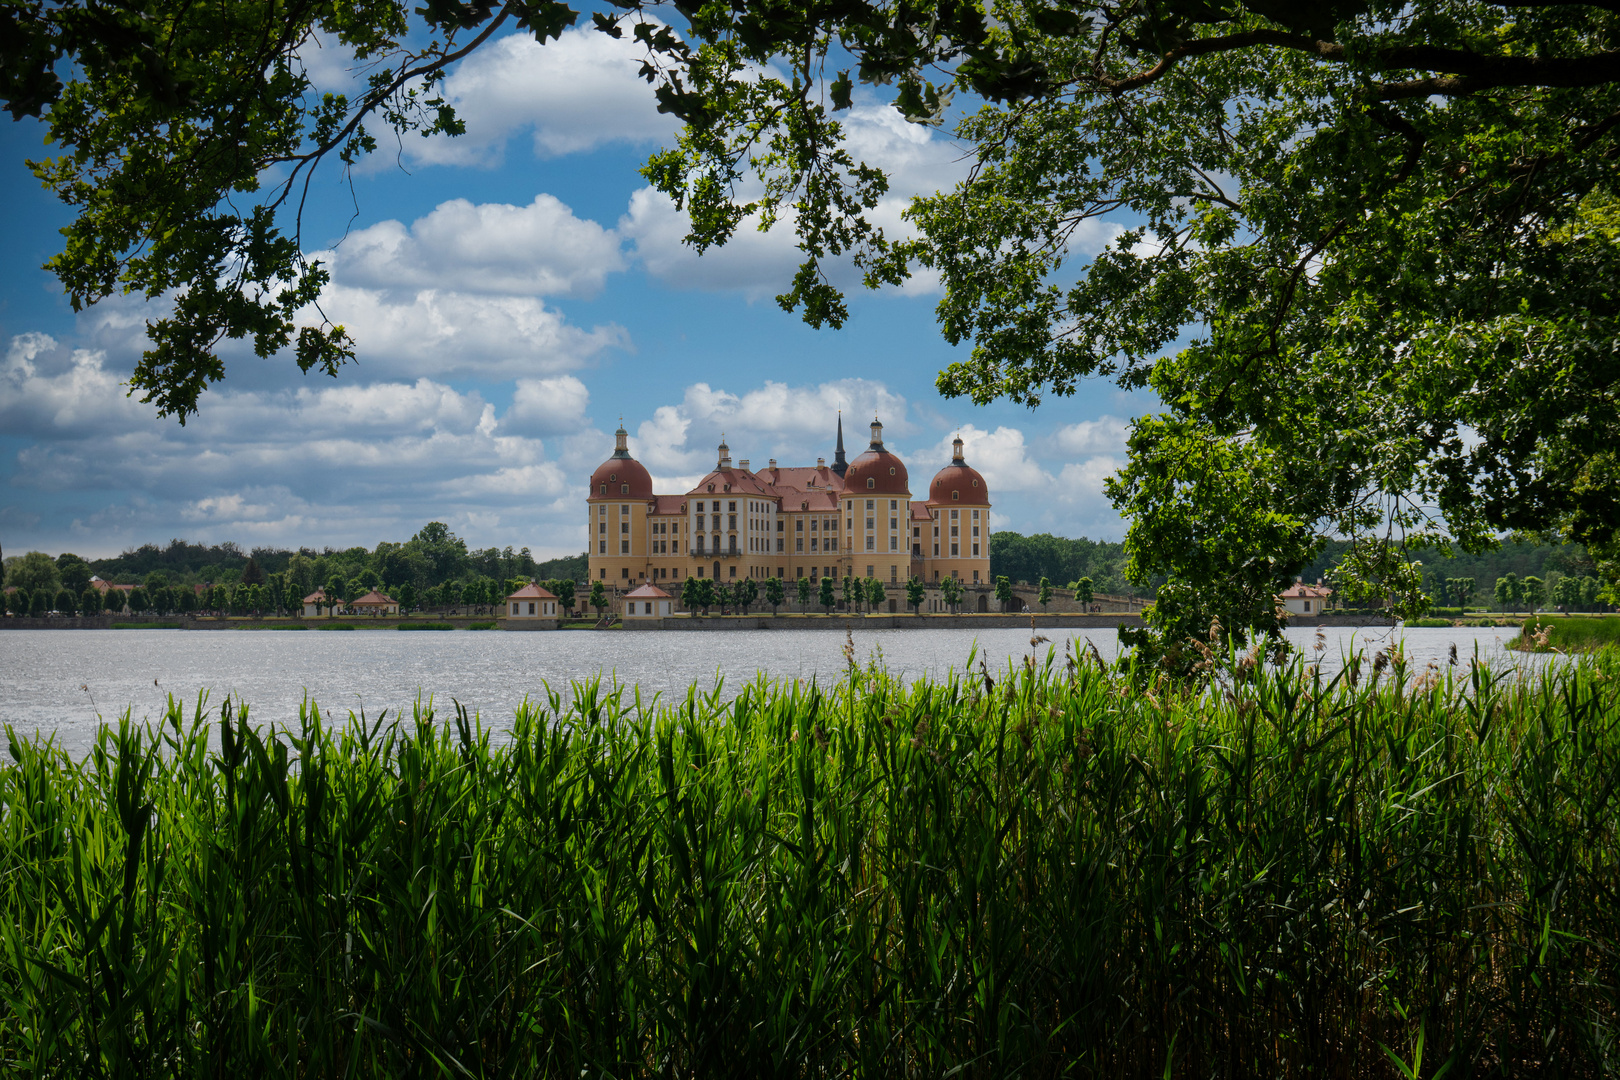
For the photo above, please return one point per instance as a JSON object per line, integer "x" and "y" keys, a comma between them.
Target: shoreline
{"x": 784, "y": 621}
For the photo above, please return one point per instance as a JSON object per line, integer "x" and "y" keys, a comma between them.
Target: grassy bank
{"x": 1543, "y": 633}
{"x": 1041, "y": 873}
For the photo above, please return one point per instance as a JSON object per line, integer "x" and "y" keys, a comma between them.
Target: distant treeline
{"x": 432, "y": 558}
{"x": 1062, "y": 561}
{"x": 1546, "y": 562}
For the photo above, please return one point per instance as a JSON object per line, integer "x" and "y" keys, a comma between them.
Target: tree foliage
{"x": 1364, "y": 252}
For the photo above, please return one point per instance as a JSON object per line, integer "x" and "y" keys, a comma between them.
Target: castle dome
{"x": 958, "y": 482}
{"x": 877, "y": 471}
{"x": 621, "y": 476}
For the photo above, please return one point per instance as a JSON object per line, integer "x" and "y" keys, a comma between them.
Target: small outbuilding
{"x": 314, "y": 602}
{"x": 531, "y": 602}
{"x": 648, "y": 602}
{"x": 375, "y": 603}
{"x": 1302, "y": 599}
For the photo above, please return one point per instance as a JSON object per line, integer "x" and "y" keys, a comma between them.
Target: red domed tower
{"x": 958, "y": 482}
{"x": 621, "y": 476}
{"x": 877, "y": 515}
{"x": 621, "y": 493}
{"x": 958, "y": 540}
{"x": 877, "y": 471}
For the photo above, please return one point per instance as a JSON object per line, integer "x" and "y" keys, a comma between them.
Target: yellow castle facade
{"x": 858, "y": 518}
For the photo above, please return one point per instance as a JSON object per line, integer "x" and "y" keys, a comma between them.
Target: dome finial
{"x": 956, "y": 450}
{"x": 877, "y": 433}
{"x": 621, "y": 444}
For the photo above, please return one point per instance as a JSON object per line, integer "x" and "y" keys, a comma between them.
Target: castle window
{"x": 613, "y": 476}
{"x": 604, "y": 489}
{"x": 955, "y": 495}
{"x": 624, "y": 489}
{"x": 891, "y": 470}
{"x": 975, "y": 483}
{"x": 871, "y": 483}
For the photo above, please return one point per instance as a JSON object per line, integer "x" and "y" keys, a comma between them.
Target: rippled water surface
{"x": 59, "y": 680}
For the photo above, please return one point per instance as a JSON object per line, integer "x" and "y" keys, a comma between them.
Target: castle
{"x": 854, "y": 518}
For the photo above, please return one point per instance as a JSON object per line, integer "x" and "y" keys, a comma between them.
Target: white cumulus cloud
{"x": 540, "y": 249}
{"x": 573, "y": 94}
{"x": 1104, "y": 434}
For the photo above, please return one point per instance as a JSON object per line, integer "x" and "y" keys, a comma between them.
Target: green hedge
{"x": 1048, "y": 871}
{"x": 426, "y": 626}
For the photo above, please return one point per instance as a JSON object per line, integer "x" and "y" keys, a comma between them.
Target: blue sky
{"x": 513, "y": 293}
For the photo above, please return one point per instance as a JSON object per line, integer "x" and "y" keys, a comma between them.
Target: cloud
{"x": 574, "y": 94}
{"x": 341, "y": 463}
{"x": 1082, "y": 481}
{"x": 443, "y": 333}
{"x": 546, "y": 407}
{"x": 1104, "y": 434}
{"x": 540, "y": 249}
{"x": 1000, "y": 456}
{"x": 917, "y": 159}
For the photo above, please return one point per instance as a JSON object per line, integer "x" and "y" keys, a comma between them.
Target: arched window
{"x": 975, "y": 483}
{"x": 604, "y": 489}
{"x": 871, "y": 483}
{"x": 891, "y": 470}
{"x": 955, "y": 495}
{"x": 624, "y": 489}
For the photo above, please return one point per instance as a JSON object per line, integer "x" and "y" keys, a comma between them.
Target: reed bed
{"x": 1544, "y": 633}
{"x": 1054, "y": 870}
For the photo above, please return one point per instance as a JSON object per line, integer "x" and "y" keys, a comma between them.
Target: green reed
{"x": 1051, "y": 870}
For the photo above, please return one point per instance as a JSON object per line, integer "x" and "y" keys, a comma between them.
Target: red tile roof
{"x": 1299, "y": 590}
{"x": 531, "y": 591}
{"x": 647, "y": 592}
{"x": 372, "y": 599}
{"x": 669, "y": 504}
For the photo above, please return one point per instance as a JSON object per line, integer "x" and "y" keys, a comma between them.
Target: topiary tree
{"x": 1046, "y": 593}
{"x": 774, "y": 593}
{"x": 599, "y": 599}
{"x": 951, "y": 592}
{"x": 689, "y": 596}
{"x": 804, "y": 593}
{"x": 1534, "y": 592}
{"x": 875, "y": 593}
{"x": 915, "y": 594}
{"x": 20, "y": 601}
{"x": 90, "y": 601}
{"x": 1506, "y": 592}
{"x": 114, "y": 600}
{"x": 826, "y": 595}
{"x": 137, "y": 600}
{"x": 1082, "y": 593}
{"x": 39, "y": 604}
{"x": 849, "y": 593}
{"x": 66, "y": 603}
{"x": 745, "y": 593}
{"x": 1004, "y": 592}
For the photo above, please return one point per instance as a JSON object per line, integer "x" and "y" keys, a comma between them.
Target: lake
{"x": 61, "y": 680}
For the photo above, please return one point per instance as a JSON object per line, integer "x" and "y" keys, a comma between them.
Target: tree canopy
{"x": 1364, "y": 252}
